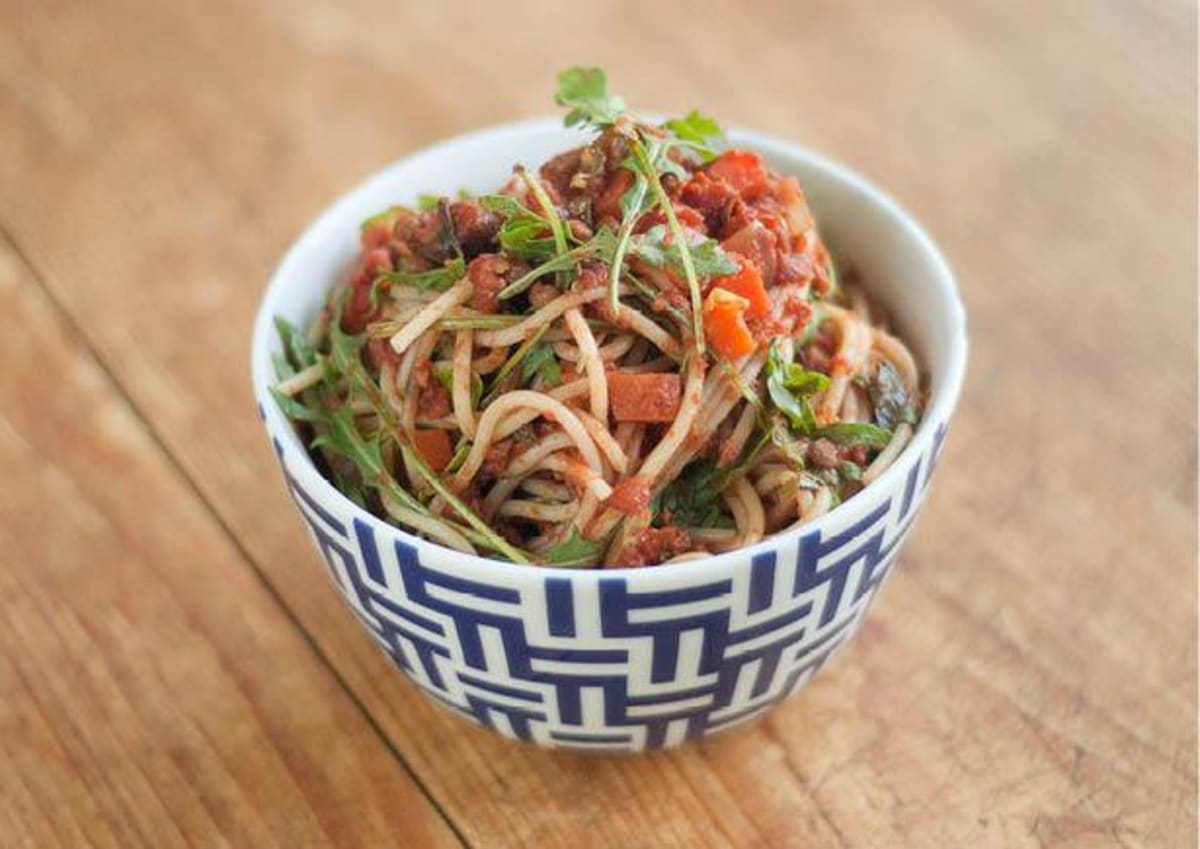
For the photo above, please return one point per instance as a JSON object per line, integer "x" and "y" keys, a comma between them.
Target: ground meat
{"x": 710, "y": 198}
{"x": 630, "y": 496}
{"x": 558, "y": 171}
{"x": 434, "y": 401}
{"x": 495, "y": 461}
{"x": 654, "y": 545}
{"x": 854, "y": 454}
{"x": 689, "y": 218}
{"x": 419, "y": 234}
{"x": 580, "y": 231}
{"x": 823, "y": 453}
{"x": 817, "y": 355}
{"x": 606, "y": 206}
{"x": 542, "y": 293}
{"x": 475, "y": 227}
{"x": 487, "y": 273}
{"x": 795, "y": 312}
{"x": 381, "y": 352}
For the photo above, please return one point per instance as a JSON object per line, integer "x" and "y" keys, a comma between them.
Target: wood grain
{"x": 1028, "y": 679}
{"x": 154, "y": 692}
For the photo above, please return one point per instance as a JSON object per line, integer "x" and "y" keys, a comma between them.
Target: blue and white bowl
{"x": 622, "y": 659}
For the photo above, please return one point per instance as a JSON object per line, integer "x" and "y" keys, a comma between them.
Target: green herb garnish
{"x": 574, "y": 551}
{"x": 855, "y": 433}
{"x": 585, "y": 92}
{"x": 542, "y": 362}
{"x": 790, "y": 386}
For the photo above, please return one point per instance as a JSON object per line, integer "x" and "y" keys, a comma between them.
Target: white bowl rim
{"x": 940, "y": 409}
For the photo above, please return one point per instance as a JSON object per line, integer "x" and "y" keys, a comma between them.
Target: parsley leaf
{"x": 541, "y": 361}
{"x": 585, "y": 92}
{"x": 790, "y": 385}
{"x": 698, "y": 131}
{"x": 574, "y": 551}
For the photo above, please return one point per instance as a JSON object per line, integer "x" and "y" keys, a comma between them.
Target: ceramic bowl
{"x": 622, "y": 659}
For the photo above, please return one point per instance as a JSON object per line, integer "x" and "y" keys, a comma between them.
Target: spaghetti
{"x": 639, "y": 354}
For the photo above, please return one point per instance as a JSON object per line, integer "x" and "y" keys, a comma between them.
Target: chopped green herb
{"x": 850, "y": 471}
{"x": 437, "y": 279}
{"x": 694, "y": 498}
{"x": 700, "y": 132}
{"x": 542, "y": 362}
{"x": 585, "y": 92}
{"x": 856, "y": 433}
{"x": 790, "y": 386}
{"x": 574, "y": 551}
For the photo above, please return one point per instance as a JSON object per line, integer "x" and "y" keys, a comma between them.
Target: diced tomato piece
{"x": 747, "y": 283}
{"x": 742, "y": 170}
{"x": 630, "y": 496}
{"x": 725, "y": 324}
{"x": 434, "y": 446}
{"x": 645, "y": 398}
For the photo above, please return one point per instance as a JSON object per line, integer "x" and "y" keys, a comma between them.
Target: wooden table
{"x": 175, "y": 669}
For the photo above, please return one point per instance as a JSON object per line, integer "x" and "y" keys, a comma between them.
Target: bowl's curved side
{"x": 623, "y": 659}
{"x": 629, "y": 661}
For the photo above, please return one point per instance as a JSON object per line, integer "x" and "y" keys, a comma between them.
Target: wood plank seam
{"x": 75, "y": 330}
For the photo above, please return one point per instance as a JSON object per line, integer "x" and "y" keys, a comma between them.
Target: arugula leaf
{"x": 342, "y": 436}
{"x": 574, "y": 551}
{"x": 295, "y": 409}
{"x": 856, "y": 433}
{"x": 557, "y": 229}
{"x": 850, "y": 471}
{"x": 789, "y": 386}
{"x": 437, "y": 279}
{"x": 295, "y": 345}
{"x": 890, "y": 398}
{"x": 600, "y": 246}
{"x": 585, "y": 92}
{"x": 694, "y": 498}
{"x": 542, "y": 361}
{"x": 644, "y": 163}
{"x": 505, "y": 205}
{"x": 708, "y": 259}
{"x": 633, "y": 204}
{"x": 698, "y": 131}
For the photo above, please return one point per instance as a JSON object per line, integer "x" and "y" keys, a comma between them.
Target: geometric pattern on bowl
{"x": 618, "y": 662}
